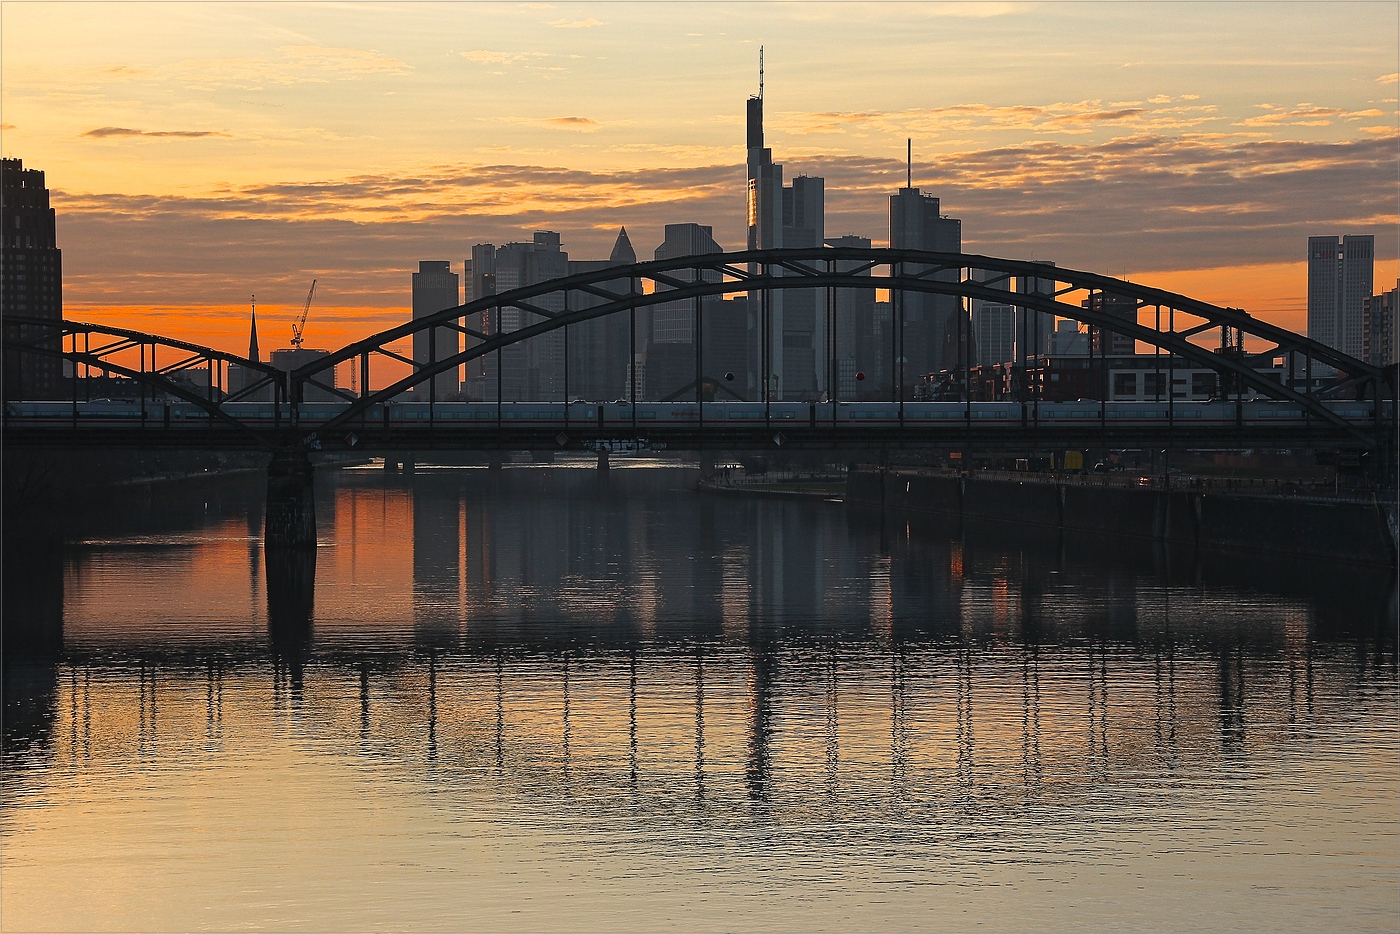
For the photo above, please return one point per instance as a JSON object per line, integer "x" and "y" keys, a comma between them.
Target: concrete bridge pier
{"x": 602, "y": 463}
{"x": 707, "y": 465}
{"x": 289, "y": 519}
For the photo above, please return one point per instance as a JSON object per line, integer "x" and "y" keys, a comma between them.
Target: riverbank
{"x": 1350, "y": 529}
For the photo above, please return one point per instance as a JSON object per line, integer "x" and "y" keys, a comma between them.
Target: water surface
{"x": 537, "y": 700}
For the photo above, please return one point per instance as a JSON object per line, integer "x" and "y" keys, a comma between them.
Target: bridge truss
{"x": 1169, "y": 322}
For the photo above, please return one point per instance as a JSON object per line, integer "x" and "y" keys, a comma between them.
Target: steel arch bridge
{"x": 555, "y": 305}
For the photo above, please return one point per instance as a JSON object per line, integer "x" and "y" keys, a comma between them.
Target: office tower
{"x": 434, "y": 290}
{"x": 1378, "y": 327}
{"x": 993, "y": 323}
{"x": 32, "y": 277}
{"x": 1068, "y": 340}
{"x": 765, "y": 232}
{"x": 929, "y": 323}
{"x": 855, "y": 342}
{"x": 1111, "y": 343}
{"x": 1034, "y": 329}
{"x": 1340, "y": 277}
{"x": 669, "y": 355}
{"x": 805, "y": 374}
{"x": 599, "y": 349}
{"x": 479, "y": 280}
{"x": 533, "y": 370}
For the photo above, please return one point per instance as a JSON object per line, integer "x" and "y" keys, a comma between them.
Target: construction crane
{"x": 301, "y": 322}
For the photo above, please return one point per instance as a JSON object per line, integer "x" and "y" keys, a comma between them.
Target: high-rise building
{"x": 533, "y": 370}
{"x": 1340, "y": 278}
{"x": 782, "y": 217}
{"x": 1112, "y": 343}
{"x": 32, "y": 276}
{"x": 929, "y": 323}
{"x": 1378, "y": 327}
{"x": 1034, "y": 329}
{"x": 804, "y": 339}
{"x": 435, "y": 288}
{"x": 669, "y": 357}
{"x": 599, "y": 349}
{"x": 479, "y": 281}
{"x": 856, "y": 342}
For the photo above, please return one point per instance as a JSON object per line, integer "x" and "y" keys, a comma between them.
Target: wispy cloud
{"x": 574, "y": 123}
{"x": 489, "y": 57}
{"x": 107, "y": 132}
{"x": 1391, "y": 78}
{"x": 1147, "y": 201}
{"x": 1305, "y": 115}
{"x": 577, "y": 23}
{"x": 1068, "y": 118}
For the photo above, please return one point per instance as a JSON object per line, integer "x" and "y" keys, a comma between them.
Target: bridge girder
{"x": 622, "y": 289}
{"x": 816, "y": 268}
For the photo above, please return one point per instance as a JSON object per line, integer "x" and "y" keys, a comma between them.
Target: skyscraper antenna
{"x": 909, "y": 164}
{"x": 760, "y": 72}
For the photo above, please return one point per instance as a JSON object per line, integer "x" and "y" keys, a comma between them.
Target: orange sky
{"x": 198, "y": 153}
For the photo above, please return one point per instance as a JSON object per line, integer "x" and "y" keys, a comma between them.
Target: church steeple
{"x": 253, "y": 334}
{"x": 622, "y": 252}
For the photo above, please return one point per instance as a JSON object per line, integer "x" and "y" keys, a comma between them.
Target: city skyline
{"x": 196, "y": 166}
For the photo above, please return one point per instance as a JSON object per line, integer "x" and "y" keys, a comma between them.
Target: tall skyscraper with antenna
{"x": 932, "y": 333}
{"x": 788, "y": 338}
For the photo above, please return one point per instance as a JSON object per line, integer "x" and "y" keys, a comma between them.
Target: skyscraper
{"x": 532, "y": 371}
{"x": 32, "y": 276}
{"x": 1340, "y": 277}
{"x": 783, "y": 217}
{"x": 599, "y": 349}
{"x": 435, "y": 289}
{"x": 1379, "y": 327}
{"x": 993, "y": 325}
{"x": 856, "y": 339}
{"x": 1034, "y": 329}
{"x": 670, "y": 344}
{"x": 930, "y": 322}
{"x": 1111, "y": 343}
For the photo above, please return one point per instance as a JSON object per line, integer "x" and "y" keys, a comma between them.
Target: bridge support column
{"x": 290, "y": 516}
{"x": 602, "y": 463}
{"x": 409, "y": 464}
{"x": 707, "y": 465}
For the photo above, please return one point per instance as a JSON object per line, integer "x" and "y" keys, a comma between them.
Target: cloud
{"x": 1391, "y": 78}
{"x": 1305, "y": 115}
{"x": 7, "y": 126}
{"x": 489, "y": 57}
{"x": 291, "y": 65}
{"x": 577, "y": 24}
{"x": 106, "y": 132}
{"x": 1069, "y": 118}
{"x": 1147, "y": 202}
{"x": 574, "y": 123}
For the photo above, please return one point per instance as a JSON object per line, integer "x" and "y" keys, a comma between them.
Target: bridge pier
{"x": 602, "y": 463}
{"x": 707, "y": 465}
{"x": 289, "y": 519}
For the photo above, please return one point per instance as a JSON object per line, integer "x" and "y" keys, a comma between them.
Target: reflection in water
{"x": 667, "y": 679}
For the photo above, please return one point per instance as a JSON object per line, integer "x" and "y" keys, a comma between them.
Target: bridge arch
{"x": 621, "y": 289}
{"x": 134, "y": 354}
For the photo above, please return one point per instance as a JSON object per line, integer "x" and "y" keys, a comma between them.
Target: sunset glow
{"x": 202, "y": 153}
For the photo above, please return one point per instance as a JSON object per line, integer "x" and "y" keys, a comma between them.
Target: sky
{"x": 199, "y": 153}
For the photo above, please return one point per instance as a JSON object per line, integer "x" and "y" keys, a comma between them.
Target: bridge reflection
{"x": 569, "y": 643}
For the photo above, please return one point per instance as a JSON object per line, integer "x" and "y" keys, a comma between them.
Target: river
{"x": 541, "y": 699}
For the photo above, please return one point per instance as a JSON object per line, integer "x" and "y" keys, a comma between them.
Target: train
{"x": 625, "y": 416}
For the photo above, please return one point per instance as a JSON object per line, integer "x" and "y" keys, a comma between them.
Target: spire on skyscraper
{"x": 253, "y": 334}
{"x": 622, "y": 252}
